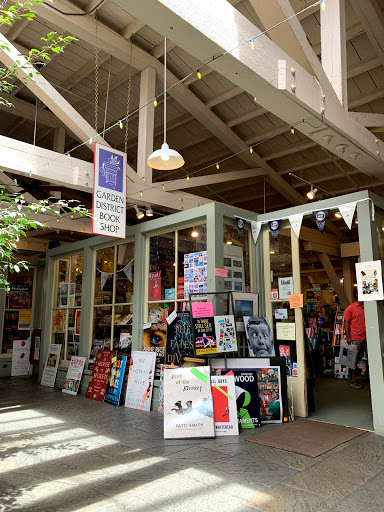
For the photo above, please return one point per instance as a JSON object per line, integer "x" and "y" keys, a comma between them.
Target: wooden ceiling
{"x": 73, "y": 75}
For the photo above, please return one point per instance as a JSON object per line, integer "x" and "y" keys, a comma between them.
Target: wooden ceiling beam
{"x": 16, "y": 29}
{"x": 371, "y": 17}
{"x": 211, "y": 179}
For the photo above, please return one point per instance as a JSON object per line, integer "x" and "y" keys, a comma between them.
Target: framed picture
{"x": 245, "y": 304}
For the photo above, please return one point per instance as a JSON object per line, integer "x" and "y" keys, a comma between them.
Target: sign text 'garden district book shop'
{"x": 109, "y": 192}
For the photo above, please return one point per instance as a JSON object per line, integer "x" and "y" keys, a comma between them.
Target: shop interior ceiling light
{"x": 165, "y": 159}
{"x": 139, "y": 213}
{"x": 311, "y": 194}
{"x": 338, "y": 215}
{"x": 194, "y": 233}
{"x": 149, "y": 212}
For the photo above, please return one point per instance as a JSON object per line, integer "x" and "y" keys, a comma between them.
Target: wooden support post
{"x": 146, "y": 124}
{"x": 333, "y": 47}
{"x": 348, "y": 279}
{"x": 326, "y": 262}
{"x": 59, "y": 139}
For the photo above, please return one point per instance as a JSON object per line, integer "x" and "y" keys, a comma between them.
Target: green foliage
{"x": 16, "y": 218}
{"x": 53, "y": 44}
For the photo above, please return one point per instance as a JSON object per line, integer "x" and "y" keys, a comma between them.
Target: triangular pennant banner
{"x": 348, "y": 211}
{"x": 128, "y": 270}
{"x": 103, "y": 279}
{"x": 255, "y": 227}
{"x": 274, "y": 226}
{"x": 296, "y": 221}
{"x": 240, "y": 223}
{"x": 320, "y": 218}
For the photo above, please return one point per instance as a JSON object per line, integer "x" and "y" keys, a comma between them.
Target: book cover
{"x": 155, "y": 340}
{"x": 97, "y": 386}
{"x": 74, "y": 374}
{"x": 188, "y": 405}
{"x": 115, "y": 380}
{"x": 224, "y": 405}
{"x": 140, "y": 380}
{"x": 179, "y": 340}
{"x": 268, "y": 384}
{"x": 205, "y": 338}
{"x": 225, "y": 333}
{"x": 96, "y": 345}
{"x": 247, "y": 398}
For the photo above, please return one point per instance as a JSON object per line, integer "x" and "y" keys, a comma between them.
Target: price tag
{"x": 171, "y": 317}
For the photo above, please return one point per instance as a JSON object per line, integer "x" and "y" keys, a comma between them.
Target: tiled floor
{"x": 66, "y": 453}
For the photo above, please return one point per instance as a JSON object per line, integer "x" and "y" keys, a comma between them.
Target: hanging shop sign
{"x": 109, "y": 192}
{"x": 20, "y": 357}
{"x": 51, "y": 366}
{"x": 74, "y": 374}
{"x": 369, "y": 280}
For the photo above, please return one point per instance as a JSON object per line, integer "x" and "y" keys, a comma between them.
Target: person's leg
{"x": 355, "y": 383}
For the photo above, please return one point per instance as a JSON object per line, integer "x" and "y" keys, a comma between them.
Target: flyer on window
{"x": 369, "y": 281}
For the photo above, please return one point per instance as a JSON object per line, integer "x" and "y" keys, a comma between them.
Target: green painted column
{"x": 139, "y": 282}
{"x": 374, "y": 316}
{"x": 215, "y": 259}
{"x": 87, "y": 294}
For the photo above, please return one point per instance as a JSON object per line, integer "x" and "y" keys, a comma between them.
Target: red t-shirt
{"x": 354, "y": 314}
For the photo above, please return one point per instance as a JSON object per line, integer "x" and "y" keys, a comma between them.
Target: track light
{"x": 149, "y": 212}
{"x": 139, "y": 213}
{"x": 311, "y": 194}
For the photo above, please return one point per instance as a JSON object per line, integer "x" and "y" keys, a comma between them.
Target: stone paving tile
{"x": 369, "y": 496}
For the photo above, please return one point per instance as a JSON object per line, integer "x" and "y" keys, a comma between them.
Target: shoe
{"x": 357, "y": 385}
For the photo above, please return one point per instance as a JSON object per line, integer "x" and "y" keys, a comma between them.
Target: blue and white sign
{"x": 240, "y": 223}
{"x": 274, "y": 226}
{"x": 320, "y": 218}
{"x": 109, "y": 192}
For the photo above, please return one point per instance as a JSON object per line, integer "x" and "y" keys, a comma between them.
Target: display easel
{"x": 203, "y": 299}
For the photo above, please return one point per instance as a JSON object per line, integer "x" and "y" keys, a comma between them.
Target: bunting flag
{"x": 348, "y": 211}
{"x": 240, "y": 223}
{"x": 274, "y": 226}
{"x": 103, "y": 279}
{"x": 255, "y": 227}
{"x": 296, "y": 221}
{"x": 320, "y": 218}
{"x": 128, "y": 270}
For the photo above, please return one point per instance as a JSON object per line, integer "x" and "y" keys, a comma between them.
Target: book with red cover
{"x": 98, "y": 382}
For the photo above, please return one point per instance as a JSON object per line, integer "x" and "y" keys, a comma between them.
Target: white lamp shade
{"x": 165, "y": 159}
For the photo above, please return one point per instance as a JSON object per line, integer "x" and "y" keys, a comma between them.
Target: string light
{"x": 162, "y": 186}
{"x": 292, "y": 130}
{"x": 71, "y": 216}
{"x": 251, "y": 149}
{"x": 141, "y": 193}
{"x": 252, "y": 44}
{"x": 187, "y": 178}
{"x": 217, "y": 165}
{"x": 90, "y": 140}
{"x": 198, "y": 73}
{"x": 120, "y": 123}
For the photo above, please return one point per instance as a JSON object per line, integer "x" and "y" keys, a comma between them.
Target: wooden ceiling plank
{"x": 210, "y": 179}
{"x": 372, "y": 19}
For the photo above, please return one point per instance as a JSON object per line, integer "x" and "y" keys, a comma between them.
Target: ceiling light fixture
{"x": 194, "y": 233}
{"x": 149, "y": 212}
{"x": 165, "y": 159}
{"x": 229, "y": 241}
{"x": 338, "y": 215}
{"x": 311, "y": 194}
{"x": 139, "y": 213}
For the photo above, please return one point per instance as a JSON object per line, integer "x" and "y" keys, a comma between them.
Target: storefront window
{"x": 18, "y": 309}
{"x": 67, "y": 305}
{"x": 177, "y": 267}
{"x": 114, "y": 274}
{"x": 237, "y": 259}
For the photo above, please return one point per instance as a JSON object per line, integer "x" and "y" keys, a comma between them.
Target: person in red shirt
{"x": 354, "y": 326}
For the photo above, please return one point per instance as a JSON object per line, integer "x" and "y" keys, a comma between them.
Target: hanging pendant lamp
{"x": 165, "y": 158}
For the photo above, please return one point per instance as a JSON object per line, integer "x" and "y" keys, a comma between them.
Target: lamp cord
{"x": 165, "y": 88}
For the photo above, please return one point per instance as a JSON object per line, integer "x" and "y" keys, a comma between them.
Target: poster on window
{"x": 115, "y": 380}
{"x": 74, "y": 374}
{"x": 20, "y": 296}
{"x": 369, "y": 281}
{"x": 195, "y": 274}
{"x": 109, "y": 192}
{"x": 154, "y": 286}
{"x": 188, "y": 405}
{"x": 98, "y": 382}
{"x": 225, "y": 333}
{"x": 20, "y": 357}
{"x": 140, "y": 380}
{"x": 24, "y": 323}
{"x": 224, "y": 405}
{"x": 51, "y": 365}
{"x": 77, "y": 321}
{"x": 285, "y": 287}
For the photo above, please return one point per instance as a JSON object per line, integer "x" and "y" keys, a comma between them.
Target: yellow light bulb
{"x": 251, "y": 149}
{"x": 217, "y": 166}
{"x": 90, "y": 141}
{"x": 198, "y": 74}
{"x": 322, "y": 2}
{"x": 155, "y": 102}
{"x": 68, "y": 155}
{"x": 162, "y": 186}
{"x": 252, "y": 44}
{"x": 164, "y": 157}
{"x": 187, "y": 178}
{"x": 121, "y": 125}
{"x": 292, "y": 130}
{"x": 141, "y": 193}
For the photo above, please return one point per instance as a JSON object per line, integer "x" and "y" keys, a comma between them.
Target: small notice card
{"x": 285, "y": 331}
{"x": 202, "y": 309}
{"x": 221, "y": 272}
{"x": 296, "y": 301}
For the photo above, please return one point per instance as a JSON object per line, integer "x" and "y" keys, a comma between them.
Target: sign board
{"x": 20, "y": 357}
{"x": 98, "y": 382}
{"x": 51, "y": 365}
{"x": 369, "y": 280}
{"x": 224, "y": 405}
{"x": 74, "y": 373}
{"x": 140, "y": 380}
{"x": 109, "y": 192}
